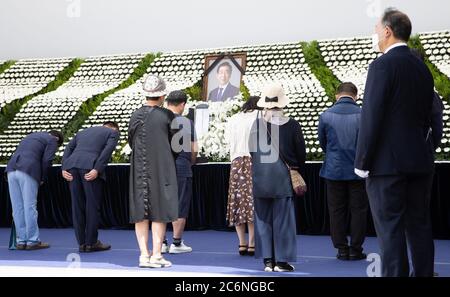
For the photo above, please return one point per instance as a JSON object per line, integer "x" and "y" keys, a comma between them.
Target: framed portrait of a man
{"x": 223, "y": 76}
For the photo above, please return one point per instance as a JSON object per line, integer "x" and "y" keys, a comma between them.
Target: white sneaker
{"x": 164, "y": 248}
{"x": 159, "y": 262}
{"x": 182, "y": 248}
{"x": 144, "y": 262}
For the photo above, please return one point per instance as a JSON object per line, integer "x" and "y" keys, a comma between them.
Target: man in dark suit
{"x": 225, "y": 89}
{"x": 393, "y": 150}
{"x": 27, "y": 169}
{"x": 83, "y": 166}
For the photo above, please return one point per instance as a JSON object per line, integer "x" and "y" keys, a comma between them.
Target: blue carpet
{"x": 213, "y": 252}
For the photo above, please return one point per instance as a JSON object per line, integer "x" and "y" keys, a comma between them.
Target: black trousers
{"x": 86, "y": 201}
{"x": 184, "y": 196}
{"x": 347, "y": 200}
{"x": 400, "y": 207}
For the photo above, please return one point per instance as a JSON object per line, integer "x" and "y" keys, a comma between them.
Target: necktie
{"x": 219, "y": 94}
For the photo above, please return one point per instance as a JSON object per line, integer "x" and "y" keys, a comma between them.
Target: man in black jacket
{"x": 83, "y": 166}
{"x": 394, "y": 152}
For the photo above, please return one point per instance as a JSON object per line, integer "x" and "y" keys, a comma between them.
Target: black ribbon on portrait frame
{"x": 220, "y": 58}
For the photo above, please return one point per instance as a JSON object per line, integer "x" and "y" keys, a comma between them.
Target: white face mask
{"x": 375, "y": 41}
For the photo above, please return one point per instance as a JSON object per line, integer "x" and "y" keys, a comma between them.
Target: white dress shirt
{"x": 362, "y": 173}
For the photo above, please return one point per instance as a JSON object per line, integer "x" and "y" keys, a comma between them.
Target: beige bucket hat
{"x": 273, "y": 96}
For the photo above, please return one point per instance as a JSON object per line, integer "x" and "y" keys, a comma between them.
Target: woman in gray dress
{"x": 153, "y": 181}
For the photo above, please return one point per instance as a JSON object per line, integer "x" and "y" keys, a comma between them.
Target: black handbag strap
{"x": 280, "y": 154}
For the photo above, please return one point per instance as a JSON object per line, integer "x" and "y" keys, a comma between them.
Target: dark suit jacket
{"x": 396, "y": 116}
{"x": 437, "y": 124}
{"x": 34, "y": 155}
{"x": 91, "y": 149}
{"x": 230, "y": 91}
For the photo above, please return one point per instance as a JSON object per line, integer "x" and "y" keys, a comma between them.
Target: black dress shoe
{"x": 343, "y": 254}
{"x": 82, "y": 248}
{"x": 97, "y": 247}
{"x": 357, "y": 256}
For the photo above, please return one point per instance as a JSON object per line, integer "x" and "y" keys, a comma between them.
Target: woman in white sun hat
{"x": 276, "y": 143}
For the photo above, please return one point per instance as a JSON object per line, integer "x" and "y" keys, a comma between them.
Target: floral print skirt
{"x": 240, "y": 207}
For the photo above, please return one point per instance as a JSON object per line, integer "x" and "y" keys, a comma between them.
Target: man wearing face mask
{"x": 393, "y": 150}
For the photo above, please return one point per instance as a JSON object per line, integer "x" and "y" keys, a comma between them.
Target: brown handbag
{"x": 298, "y": 183}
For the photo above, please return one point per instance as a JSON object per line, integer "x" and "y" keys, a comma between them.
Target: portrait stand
{"x": 201, "y": 122}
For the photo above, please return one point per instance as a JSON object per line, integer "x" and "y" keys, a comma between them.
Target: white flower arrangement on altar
{"x": 126, "y": 150}
{"x": 212, "y": 144}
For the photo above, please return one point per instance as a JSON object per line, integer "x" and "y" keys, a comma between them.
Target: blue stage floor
{"x": 214, "y": 254}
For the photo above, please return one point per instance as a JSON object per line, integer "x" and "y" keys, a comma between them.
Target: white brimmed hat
{"x": 154, "y": 86}
{"x": 273, "y": 96}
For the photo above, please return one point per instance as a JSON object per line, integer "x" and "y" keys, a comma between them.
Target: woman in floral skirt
{"x": 240, "y": 207}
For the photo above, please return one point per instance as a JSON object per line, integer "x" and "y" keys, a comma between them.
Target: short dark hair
{"x": 225, "y": 64}
{"x": 175, "y": 103}
{"x": 347, "y": 88}
{"x": 58, "y": 135}
{"x": 418, "y": 53}
{"x": 112, "y": 124}
{"x": 176, "y": 98}
{"x": 399, "y": 23}
{"x": 153, "y": 98}
{"x": 251, "y": 104}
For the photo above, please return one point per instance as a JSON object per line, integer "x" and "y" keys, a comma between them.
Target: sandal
{"x": 243, "y": 250}
{"x": 251, "y": 251}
